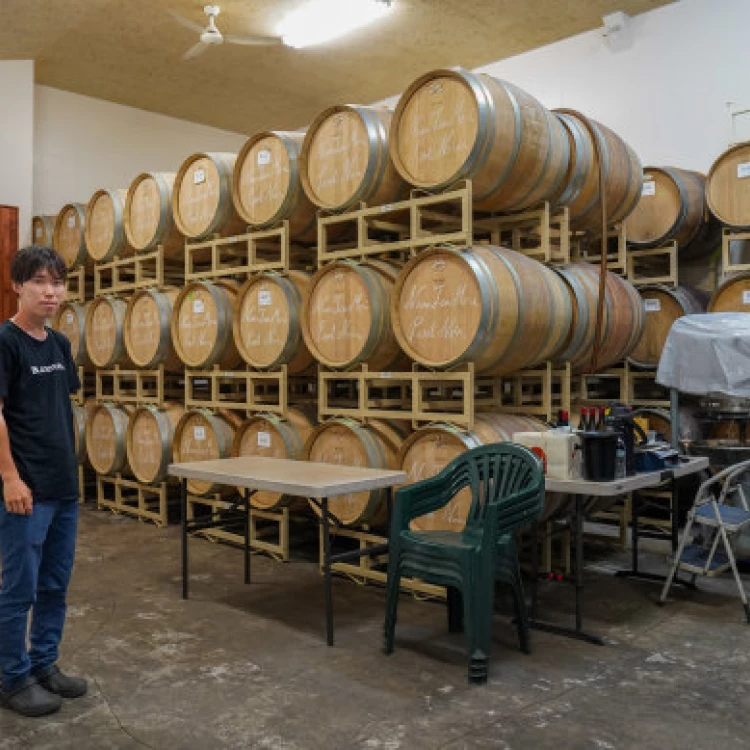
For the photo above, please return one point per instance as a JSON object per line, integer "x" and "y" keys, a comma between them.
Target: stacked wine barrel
{"x": 444, "y": 308}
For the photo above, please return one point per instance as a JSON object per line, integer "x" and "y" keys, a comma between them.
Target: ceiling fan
{"x": 210, "y": 35}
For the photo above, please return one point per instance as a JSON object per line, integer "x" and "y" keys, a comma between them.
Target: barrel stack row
{"x": 487, "y": 306}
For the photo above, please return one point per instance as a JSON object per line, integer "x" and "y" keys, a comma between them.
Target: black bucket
{"x": 599, "y": 455}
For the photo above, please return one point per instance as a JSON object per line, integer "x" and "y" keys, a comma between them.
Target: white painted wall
{"x": 17, "y": 139}
{"x": 84, "y": 144}
{"x": 665, "y": 94}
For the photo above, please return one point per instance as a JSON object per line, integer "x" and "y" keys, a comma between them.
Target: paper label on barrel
{"x": 652, "y": 305}
{"x": 746, "y": 297}
{"x": 38, "y": 232}
{"x": 199, "y": 306}
{"x": 69, "y": 317}
{"x": 199, "y": 176}
{"x": 264, "y": 440}
{"x": 264, "y": 157}
{"x": 264, "y": 297}
{"x": 199, "y": 433}
{"x": 743, "y": 170}
{"x": 71, "y": 222}
{"x": 649, "y": 188}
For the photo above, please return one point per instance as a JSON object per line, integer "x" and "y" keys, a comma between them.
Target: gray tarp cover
{"x": 708, "y": 354}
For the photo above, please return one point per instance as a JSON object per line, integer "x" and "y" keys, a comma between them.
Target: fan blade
{"x": 186, "y": 22}
{"x": 195, "y": 50}
{"x": 252, "y": 40}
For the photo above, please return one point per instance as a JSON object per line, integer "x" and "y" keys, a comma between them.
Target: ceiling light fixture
{"x": 320, "y": 21}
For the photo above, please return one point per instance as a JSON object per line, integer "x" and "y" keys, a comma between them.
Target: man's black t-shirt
{"x": 36, "y": 380}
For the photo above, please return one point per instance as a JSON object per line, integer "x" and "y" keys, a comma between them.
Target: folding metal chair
{"x": 721, "y": 521}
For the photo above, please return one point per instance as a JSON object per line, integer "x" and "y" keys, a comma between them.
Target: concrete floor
{"x": 246, "y": 667}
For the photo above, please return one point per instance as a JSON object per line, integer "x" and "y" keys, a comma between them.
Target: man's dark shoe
{"x": 30, "y": 699}
{"x": 55, "y": 681}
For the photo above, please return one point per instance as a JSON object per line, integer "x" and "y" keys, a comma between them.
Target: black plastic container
{"x": 599, "y": 455}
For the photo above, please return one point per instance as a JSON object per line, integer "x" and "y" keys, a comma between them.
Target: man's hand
{"x": 17, "y": 496}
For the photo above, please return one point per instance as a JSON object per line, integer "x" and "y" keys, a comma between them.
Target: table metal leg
{"x": 183, "y": 510}
{"x": 327, "y": 571}
{"x": 577, "y": 633}
{"x": 246, "y": 496}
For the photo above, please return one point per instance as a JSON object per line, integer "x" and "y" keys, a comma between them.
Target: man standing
{"x": 39, "y": 488}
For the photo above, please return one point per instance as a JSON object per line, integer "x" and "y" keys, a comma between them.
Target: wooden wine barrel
{"x": 268, "y": 321}
{"x": 106, "y": 430}
{"x": 623, "y": 174}
{"x": 105, "y": 233}
{"x": 70, "y": 320}
{"x": 728, "y": 187}
{"x": 672, "y": 207}
{"x": 733, "y": 295}
{"x": 345, "y": 159}
{"x": 202, "y": 325}
{"x": 267, "y": 185}
{"x": 662, "y": 307}
{"x": 204, "y": 436}
{"x": 660, "y": 421}
{"x": 487, "y": 305}
{"x": 105, "y": 342}
{"x": 148, "y": 218}
{"x": 149, "y": 440}
{"x": 430, "y": 449}
{"x": 202, "y": 197}
{"x": 453, "y": 125}
{"x": 347, "y": 318}
{"x": 147, "y": 329}
{"x": 68, "y": 236}
{"x": 344, "y": 442}
{"x": 43, "y": 230}
{"x": 273, "y": 436}
{"x": 623, "y": 321}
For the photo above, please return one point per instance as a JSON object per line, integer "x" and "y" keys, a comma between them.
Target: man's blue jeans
{"x": 37, "y": 559}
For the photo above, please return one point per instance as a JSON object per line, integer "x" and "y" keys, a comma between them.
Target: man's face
{"x": 41, "y": 295}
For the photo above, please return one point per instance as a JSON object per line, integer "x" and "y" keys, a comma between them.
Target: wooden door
{"x": 8, "y": 248}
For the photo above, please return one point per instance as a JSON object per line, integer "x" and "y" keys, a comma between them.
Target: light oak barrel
{"x": 43, "y": 230}
{"x": 733, "y": 295}
{"x": 70, "y": 320}
{"x": 202, "y": 435}
{"x": 106, "y": 430}
{"x": 623, "y": 321}
{"x": 623, "y": 173}
{"x": 105, "y": 340}
{"x": 202, "y": 321}
{"x": 105, "y": 233}
{"x": 428, "y": 450}
{"x": 672, "y": 207}
{"x": 267, "y": 324}
{"x": 147, "y": 329}
{"x": 345, "y": 159}
{"x": 148, "y": 218}
{"x": 267, "y": 184}
{"x": 274, "y": 436}
{"x": 659, "y": 421}
{"x": 662, "y": 307}
{"x": 728, "y": 187}
{"x": 486, "y": 305}
{"x": 345, "y": 442}
{"x": 347, "y": 317}
{"x": 81, "y": 414}
{"x": 453, "y": 125}
{"x": 202, "y": 197}
{"x": 68, "y": 236}
{"x": 150, "y": 440}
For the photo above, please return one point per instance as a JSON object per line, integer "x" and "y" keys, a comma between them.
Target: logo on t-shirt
{"x": 44, "y": 369}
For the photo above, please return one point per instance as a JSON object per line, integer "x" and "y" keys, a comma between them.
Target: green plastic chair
{"x": 507, "y": 488}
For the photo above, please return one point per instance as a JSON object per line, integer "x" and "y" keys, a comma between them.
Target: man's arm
{"x": 16, "y": 494}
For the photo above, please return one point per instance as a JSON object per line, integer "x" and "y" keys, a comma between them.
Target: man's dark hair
{"x": 29, "y": 260}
